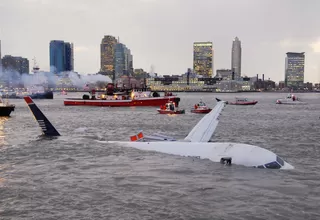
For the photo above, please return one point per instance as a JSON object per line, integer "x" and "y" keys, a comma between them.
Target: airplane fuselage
{"x": 241, "y": 154}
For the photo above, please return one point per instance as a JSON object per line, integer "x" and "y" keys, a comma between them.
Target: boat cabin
{"x": 241, "y": 99}
{"x": 170, "y": 106}
{"x": 201, "y": 103}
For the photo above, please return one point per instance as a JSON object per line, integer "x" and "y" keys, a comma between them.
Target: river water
{"x": 76, "y": 177}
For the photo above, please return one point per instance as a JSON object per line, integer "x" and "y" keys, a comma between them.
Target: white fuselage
{"x": 241, "y": 154}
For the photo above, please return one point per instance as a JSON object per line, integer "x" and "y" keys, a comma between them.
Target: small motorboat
{"x": 5, "y": 108}
{"x": 201, "y": 108}
{"x": 241, "y": 101}
{"x": 170, "y": 108}
{"x": 290, "y": 100}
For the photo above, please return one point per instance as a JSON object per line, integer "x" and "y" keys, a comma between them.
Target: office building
{"x": 203, "y": 59}
{"x": 15, "y": 64}
{"x": 69, "y": 62}
{"x": 107, "y": 50}
{"x": 236, "y": 58}
{"x": 61, "y": 56}
{"x": 294, "y": 70}
{"x": 225, "y": 74}
{"x": 123, "y": 61}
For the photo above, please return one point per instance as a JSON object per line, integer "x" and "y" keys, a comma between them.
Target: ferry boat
{"x": 5, "y": 108}
{"x": 290, "y": 100}
{"x": 201, "y": 108}
{"x": 170, "y": 108}
{"x": 123, "y": 98}
{"x": 241, "y": 101}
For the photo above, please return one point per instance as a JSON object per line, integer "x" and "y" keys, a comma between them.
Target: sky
{"x": 160, "y": 33}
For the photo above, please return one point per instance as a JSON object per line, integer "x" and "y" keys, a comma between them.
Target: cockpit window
{"x": 279, "y": 160}
{"x": 273, "y": 165}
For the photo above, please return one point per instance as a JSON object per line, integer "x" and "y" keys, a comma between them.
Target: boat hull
{"x": 201, "y": 111}
{"x": 243, "y": 103}
{"x": 6, "y": 110}
{"x": 167, "y": 112}
{"x": 156, "y": 101}
{"x": 287, "y": 102}
{"x": 43, "y": 95}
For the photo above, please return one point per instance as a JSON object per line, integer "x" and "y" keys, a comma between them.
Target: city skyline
{"x": 161, "y": 33}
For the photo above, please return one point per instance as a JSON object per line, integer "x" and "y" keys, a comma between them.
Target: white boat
{"x": 291, "y": 99}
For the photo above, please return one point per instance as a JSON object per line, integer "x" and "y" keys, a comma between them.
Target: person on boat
{"x": 171, "y": 106}
{"x": 195, "y": 106}
{"x": 201, "y": 103}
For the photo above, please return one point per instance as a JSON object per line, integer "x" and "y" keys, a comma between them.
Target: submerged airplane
{"x": 195, "y": 144}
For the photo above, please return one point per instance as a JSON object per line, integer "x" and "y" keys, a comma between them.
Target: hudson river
{"x": 76, "y": 177}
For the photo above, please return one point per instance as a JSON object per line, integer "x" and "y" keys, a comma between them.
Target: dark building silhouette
{"x": 17, "y": 64}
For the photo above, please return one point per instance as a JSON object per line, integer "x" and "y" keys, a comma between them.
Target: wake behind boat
{"x": 291, "y": 99}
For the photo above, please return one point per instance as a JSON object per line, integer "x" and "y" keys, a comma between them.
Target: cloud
{"x": 80, "y": 49}
{"x": 292, "y": 43}
{"x": 315, "y": 46}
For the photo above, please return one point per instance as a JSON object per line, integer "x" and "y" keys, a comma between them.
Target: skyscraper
{"x": 203, "y": 58}
{"x": 69, "y": 65}
{"x": 107, "y": 49}
{"x": 236, "y": 58}
{"x": 61, "y": 56}
{"x": 294, "y": 70}
{"x": 123, "y": 60}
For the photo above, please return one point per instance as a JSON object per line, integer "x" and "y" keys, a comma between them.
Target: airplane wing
{"x": 205, "y": 128}
{"x": 45, "y": 125}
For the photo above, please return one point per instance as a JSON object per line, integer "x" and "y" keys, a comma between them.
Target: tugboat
{"x": 170, "y": 108}
{"x": 241, "y": 101}
{"x": 5, "y": 108}
{"x": 114, "y": 97}
{"x": 201, "y": 108}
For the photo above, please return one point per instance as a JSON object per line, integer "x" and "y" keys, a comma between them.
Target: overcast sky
{"x": 161, "y": 32}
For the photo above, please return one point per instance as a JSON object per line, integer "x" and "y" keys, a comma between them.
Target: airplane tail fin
{"x": 47, "y": 128}
{"x": 205, "y": 128}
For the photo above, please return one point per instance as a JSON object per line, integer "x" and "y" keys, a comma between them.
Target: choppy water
{"x": 75, "y": 177}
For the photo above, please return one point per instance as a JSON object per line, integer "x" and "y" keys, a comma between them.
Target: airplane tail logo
{"x": 47, "y": 128}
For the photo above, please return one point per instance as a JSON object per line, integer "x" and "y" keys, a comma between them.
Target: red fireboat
{"x": 123, "y": 98}
{"x": 170, "y": 108}
{"x": 201, "y": 108}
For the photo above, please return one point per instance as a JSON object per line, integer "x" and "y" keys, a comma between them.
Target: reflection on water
{"x": 2, "y": 134}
